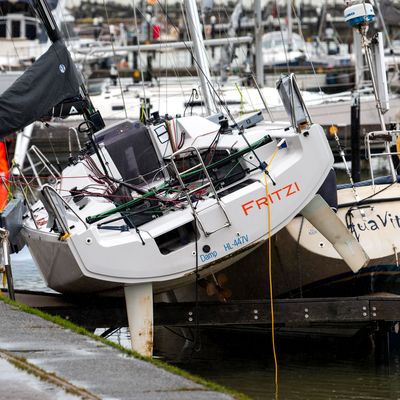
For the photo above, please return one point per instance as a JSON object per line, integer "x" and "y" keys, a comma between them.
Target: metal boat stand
{"x": 6, "y": 261}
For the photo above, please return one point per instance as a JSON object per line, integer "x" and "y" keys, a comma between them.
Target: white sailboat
{"x": 150, "y": 207}
{"x": 369, "y": 209}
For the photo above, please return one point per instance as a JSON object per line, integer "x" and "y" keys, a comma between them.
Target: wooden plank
{"x": 385, "y": 309}
{"x": 94, "y": 312}
{"x": 258, "y": 312}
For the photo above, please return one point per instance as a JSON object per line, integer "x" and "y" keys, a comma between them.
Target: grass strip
{"x": 161, "y": 364}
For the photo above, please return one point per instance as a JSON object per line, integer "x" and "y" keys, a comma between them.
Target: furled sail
{"x": 52, "y": 79}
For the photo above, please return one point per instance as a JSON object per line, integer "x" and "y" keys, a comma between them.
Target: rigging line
{"x": 282, "y": 38}
{"x": 69, "y": 40}
{"x": 353, "y": 187}
{"x": 207, "y": 54}
{"x": 49, "y": 138}
{"x": 198, "y": 88}
{"x": 197, "y": 338}
{"x": 200, "y": 69}
{"x": 298, "y": 259}
{"x": 236, "y": 61}
{"x": 178, "y": 334}
{"x": 66, "y": 34}
{"x": 203, "y": 26}
{"x": 378, "y": 6}
{"x": 115, "y": 59}
{"x": 306, "y": 50}
{"x": 222, "y": 94}
{"x": 174, "y": 66}
{"x": 337, "y": 34}
{"x": 185, "y": 22}
{"x": 365, "y": 200}
{"x": 140, "y": 58}
{"x": 252, "y": 75}
{"x": 159, "y": 71}
{"x": 158, "y": 78}
{"x": 174, "y": 61}
{"x": 200, "y": 37}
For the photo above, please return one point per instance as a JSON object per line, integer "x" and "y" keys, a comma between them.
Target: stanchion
{"x": 355, "y": 137}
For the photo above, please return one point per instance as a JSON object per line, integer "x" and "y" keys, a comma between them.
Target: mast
{"x": 359, "y": 16}
{"x": 359, "y": 64}
{"x": 47, "y": 19}
{"x": 258, "y": 37}
{"x": 93, "y": 118}
{"x": 202, "y": 66}
{"x": 290, "y": 23}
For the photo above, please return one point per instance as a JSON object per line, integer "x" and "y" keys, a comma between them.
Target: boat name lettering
{"x": 275, "y": 196}
{"x": 208, "y": 256}
{"x": 386, "y": 221}
{"x": 237, "y": 242}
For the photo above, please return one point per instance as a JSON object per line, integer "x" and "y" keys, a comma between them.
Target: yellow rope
{"x": 271, "y": 297}
{"x": 142, "y": 113}
{"x": 398, "y": 146}
{"x": 241, "y": 99}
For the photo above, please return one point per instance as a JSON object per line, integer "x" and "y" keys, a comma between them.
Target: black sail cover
{"x": 50, "y": 80}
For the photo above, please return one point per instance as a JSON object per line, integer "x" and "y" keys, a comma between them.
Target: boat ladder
{"x": 212, "y": 218}
{"x": 388, "y": 138}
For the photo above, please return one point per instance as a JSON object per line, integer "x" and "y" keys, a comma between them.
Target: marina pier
{"x": 147, "y": 214}
{"x": 363, "y": 312}
{"x": 82, "y": 366}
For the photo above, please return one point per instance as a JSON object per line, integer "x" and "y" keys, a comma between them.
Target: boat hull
{"x": 316, "y": 269}
{"x": 172, "y": 249}
{"x": 61, "y": 270}
{"x": 306, "y": 265}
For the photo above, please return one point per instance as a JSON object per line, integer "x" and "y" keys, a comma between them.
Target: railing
{"x": 386, "y": 137}
{"x": 56, "y": 206}
{"x": 206, "y": 183}
{"x": 45, "y": 164}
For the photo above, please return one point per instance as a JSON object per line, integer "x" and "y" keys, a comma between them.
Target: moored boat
{"x": 148, "y": 207}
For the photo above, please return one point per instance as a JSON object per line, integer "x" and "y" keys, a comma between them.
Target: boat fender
{"x": 11, "y": 220}
{"x": 328, "y": 190}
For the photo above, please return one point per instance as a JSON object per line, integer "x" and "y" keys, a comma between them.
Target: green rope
{"x": 166, "y": 185}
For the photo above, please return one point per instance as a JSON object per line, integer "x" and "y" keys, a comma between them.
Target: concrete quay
{"x": 40, "y": 359}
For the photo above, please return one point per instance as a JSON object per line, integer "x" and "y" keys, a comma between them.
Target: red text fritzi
{"x": 275, "y": 196}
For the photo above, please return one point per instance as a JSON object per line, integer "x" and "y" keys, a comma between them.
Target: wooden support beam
{"x": 257, "y": 312}
{"x": 106, "y": 312}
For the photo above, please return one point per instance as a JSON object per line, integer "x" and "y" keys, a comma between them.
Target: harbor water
{"x": 344, "y": 366}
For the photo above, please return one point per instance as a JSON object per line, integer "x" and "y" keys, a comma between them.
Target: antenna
{"x": 359, "y": 16}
